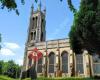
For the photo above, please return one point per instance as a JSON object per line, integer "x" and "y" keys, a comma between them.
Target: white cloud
{"x": 11, "y": 45}
{"x": 19, "y": 61}
{"x": 6, "y": 52}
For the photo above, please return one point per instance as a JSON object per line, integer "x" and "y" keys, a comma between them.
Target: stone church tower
{"x": 36, "y": 31}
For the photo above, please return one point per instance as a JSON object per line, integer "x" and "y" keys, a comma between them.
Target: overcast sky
{"x": 14, "y": 28}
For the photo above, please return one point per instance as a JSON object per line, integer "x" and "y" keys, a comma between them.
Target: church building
{"x": 58, "y": 60}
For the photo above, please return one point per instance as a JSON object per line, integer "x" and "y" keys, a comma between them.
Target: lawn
{"x": 42, "y": 78}
{"x": 65, "y": 78}
{"x": 6, "y": 78}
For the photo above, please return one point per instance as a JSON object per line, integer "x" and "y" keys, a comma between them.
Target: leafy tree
{"x": 1, "y": 67}
{"x": 85, "y": 31}
{"x": 10, "y": 69}
{"x": 11, "y": 5}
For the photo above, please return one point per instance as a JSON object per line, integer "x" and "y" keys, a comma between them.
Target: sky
{"x": 14, "y": 28}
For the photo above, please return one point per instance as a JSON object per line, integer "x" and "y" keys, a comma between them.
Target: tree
{"x": 85, "y": 31}
{"x": 10, "y": 69}
{"x": 10, "y": 5}
{"x": 1, "y": 67}
{"x": 13, "y": 69}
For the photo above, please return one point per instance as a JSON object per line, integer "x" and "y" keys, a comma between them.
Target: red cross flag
{"x": 35, "y": 57}
{"x": 30, "y": 55}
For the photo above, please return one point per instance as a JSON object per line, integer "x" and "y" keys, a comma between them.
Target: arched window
{"x": 42, "y": 36}
{"x": 39, "y": 66}
{"x": 34, "y": 35}
{"x": 96, "y": 65}
{"x": 33, "y": 23}
{"x": 64, "y": 60}
{"x": 79, "y": 63}
{"x": 51, "y": 62}
{"x": 36, "y": 22}
{"x": 31, "y": 37}
{"x": 42, "y": 25}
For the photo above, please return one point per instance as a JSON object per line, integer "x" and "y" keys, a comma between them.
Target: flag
{"x": 30, "y": 56}
{"x": 35, "y": 57}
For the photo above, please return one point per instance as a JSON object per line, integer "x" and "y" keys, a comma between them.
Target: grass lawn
{"x": 6, "y": 78}
{"x": 42, "y": 78}
{"x": 65, "y": 78}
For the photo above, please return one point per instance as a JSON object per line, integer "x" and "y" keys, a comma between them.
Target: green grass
{"x": 60, "y": 78}
{"x": 6, "y": 78}
{"x": 43, "y": 78}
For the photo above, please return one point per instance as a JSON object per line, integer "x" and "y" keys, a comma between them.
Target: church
{"x": 58, "y": 60}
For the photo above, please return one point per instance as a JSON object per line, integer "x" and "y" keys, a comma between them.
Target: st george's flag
{"x": 35, "y": 57}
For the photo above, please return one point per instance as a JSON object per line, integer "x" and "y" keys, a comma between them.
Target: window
{"x": 42, "y": 25}
{"x": 79, "y": 63}
{"x": 31, "y": 38}
{"x": 36, "y": 21}
{"x": 96, "y": 64}
{"x": 64, "y": 59}
{"x": 39, "y": 66}
{"x": 42, "y": 36}
{"x": 34, "y": 35}
{"x": 33, "y": 26}
{"x": 51, "y": 62}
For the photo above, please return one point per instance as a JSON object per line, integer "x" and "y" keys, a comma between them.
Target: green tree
{"x": 9, "y": 4}
{"x": 10, "y": 69}
{"x": 1, "y": 66}
{"x": 85, "y": 31}
{"x": 13, "y": 69}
